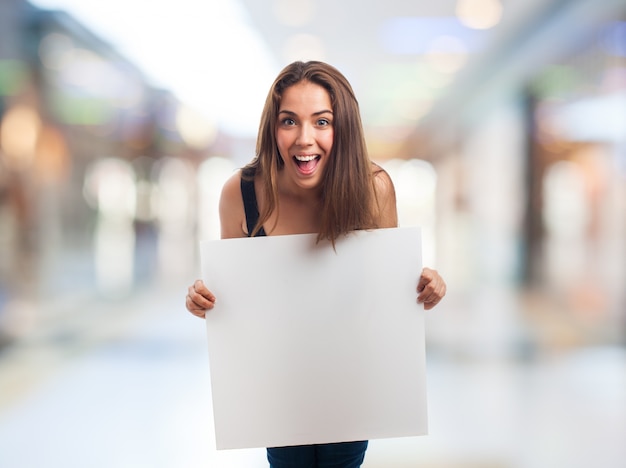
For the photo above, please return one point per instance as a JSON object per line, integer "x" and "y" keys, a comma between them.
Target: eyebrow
{"x": 325, "y": 111}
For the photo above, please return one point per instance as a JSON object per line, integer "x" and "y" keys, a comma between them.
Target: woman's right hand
{"x": 199, "y": 299}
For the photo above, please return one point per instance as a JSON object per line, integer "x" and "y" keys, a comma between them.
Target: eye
{"x": 323, "y": 122}
{"x": 288, "y": 122}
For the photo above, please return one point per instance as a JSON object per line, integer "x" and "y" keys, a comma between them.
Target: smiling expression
{"x": 304, "y": 134}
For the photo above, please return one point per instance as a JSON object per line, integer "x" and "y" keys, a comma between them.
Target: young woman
{"x": 311, "y": 174}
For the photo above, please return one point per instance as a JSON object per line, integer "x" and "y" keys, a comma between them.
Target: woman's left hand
{"x": 431, "y": 288}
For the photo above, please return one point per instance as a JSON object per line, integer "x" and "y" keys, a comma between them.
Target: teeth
{"x": 305, "y": 158}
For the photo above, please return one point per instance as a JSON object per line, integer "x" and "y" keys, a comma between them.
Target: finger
{"x": 192, "y": 307}
{"x": 421, "y": 284}
{"x": 432, "y": 295}
{"x": 435, "y": 289}
{"x": 204, "y": 299}
{"x": 431, "y": 301}
{"x": 200, "y": 288}
{"x": 426, "y": 290}
{"x": 425, "y": 278}
{"x": 428, "y": 298}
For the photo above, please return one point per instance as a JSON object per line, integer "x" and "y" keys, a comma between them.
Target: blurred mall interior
{"x": 501, "y": 122}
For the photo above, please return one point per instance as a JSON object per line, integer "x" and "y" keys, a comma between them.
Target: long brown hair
{"x": 348, "y": 193}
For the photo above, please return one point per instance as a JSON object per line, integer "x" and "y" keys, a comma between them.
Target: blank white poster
{"x": 310, "y": 344}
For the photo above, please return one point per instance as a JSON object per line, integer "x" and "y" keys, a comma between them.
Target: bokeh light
{"x": 479, "y": 14}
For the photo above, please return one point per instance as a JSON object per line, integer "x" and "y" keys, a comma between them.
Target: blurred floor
{"x": 126, "y": 385}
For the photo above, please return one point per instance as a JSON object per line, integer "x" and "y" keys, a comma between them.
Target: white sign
{"x": 310, "y": 344}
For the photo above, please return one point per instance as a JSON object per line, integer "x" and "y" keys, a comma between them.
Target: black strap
{"x": 250, "y": 206}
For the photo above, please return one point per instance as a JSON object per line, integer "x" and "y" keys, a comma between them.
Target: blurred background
{"x": 502, "y": 123}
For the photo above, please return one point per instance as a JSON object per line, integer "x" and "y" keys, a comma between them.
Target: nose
{"x": 305, "y": 136}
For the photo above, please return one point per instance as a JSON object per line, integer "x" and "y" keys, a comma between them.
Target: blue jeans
{"x": 340, "y": 455}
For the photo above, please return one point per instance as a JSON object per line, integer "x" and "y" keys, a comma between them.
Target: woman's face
{"x": 304, "y": 133}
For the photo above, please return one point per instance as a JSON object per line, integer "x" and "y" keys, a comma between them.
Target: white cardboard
{"x": 313, "y": 345}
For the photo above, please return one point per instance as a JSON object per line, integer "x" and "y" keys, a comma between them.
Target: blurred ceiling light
{"x": 88, "y": 71}
{"x": 303, "y": 47}
{"x": 19, "y": 131}
{"x": 171, "y": 201}
{"x": 294, "y": 13}
{"x": 110, "y": 188}
{"x": 447, "y": 54}
{"x": 195, "y": 129}
{"x": 88, "y": 85}
{"x": 479, "y": 14}
{"x": 55, "y": 50}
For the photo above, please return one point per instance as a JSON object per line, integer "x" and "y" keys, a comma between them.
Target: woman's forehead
{"x": 305, "y": 94}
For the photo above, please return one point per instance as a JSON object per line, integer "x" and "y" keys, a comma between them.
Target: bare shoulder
{"x": 232, "y": 214}
{"x": 382, "y": 181}
{"x": 387, "y": 214}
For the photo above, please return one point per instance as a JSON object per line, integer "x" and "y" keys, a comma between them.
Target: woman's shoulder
{"x": 385, "y": 195}
{"x": 232, "y": 186}
{"x": 382, "y": 181}
{"x": 232, "y": 215}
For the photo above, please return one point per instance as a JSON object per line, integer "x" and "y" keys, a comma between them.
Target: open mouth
{"x": 306, "y": 163}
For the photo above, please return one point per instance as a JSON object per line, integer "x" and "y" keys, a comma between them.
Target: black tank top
{"x": 250, "y": 206}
